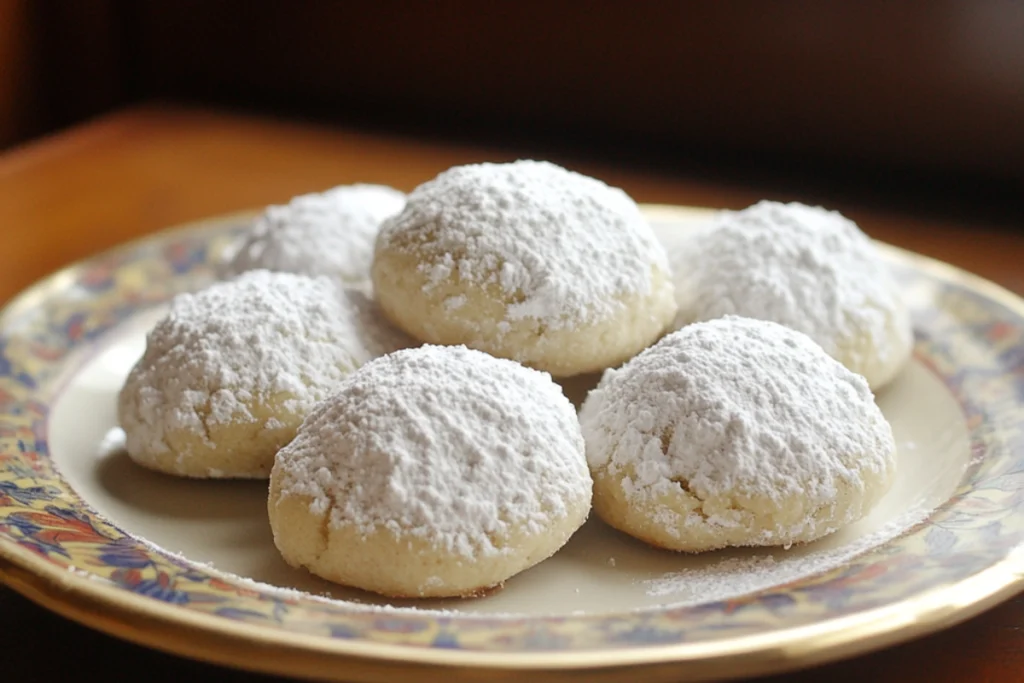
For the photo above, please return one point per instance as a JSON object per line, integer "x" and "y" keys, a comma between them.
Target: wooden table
{"x": 140, "y": 170}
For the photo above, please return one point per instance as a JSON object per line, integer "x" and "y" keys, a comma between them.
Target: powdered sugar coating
{"x": 328, "y": 233}
{"x": 262, "y": 338}
{"x": 445, "y": 444}
{"x": 745, "y": 417}
{"x": 804, "y": 267}
{"x": 376, "y": 335}
{"x": 560, "y": 247}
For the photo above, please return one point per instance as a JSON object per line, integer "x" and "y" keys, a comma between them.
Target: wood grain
{"x": 144, "y": 169}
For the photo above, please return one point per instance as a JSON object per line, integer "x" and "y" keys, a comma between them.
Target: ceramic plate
{"x": 189, "y": 566}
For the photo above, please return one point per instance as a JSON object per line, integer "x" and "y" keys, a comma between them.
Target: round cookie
{"x": 526, "y": 261}
{"x": 431, "y": 472}
{"x": 328, "y": 233}
{"x": 735, "y": 432}
{"x": 804, "y": 267}
{"x": 230, "y": 372}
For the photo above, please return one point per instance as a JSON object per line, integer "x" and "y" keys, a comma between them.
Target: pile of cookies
{"x": 391, "y": 363}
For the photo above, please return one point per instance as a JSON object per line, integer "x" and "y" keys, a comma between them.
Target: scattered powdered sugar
{"x": 736, "y": 576}
{"x": 562, "y": 247}
{"x": 330, "y": 233}
{"x": 722, "y": 580}
{"x": 454, "y": 303}
{"x": 804, "y": 267}
{"x": 280, "y": 592}
{"x": 443, "y": 443}
{"x": 259, "y": 337}
{"x": 735, "y": 409}
{"x": 375, "y": 333}
{"x": 113, "y": 441}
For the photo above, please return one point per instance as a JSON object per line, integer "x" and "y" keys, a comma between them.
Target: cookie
{"x": 431, "y": 472}
{"x": 526, "y": 261}
{"x": 735, "y": 432}
{"x": 230, "y": 372}
{"x": 804, "y": 267}
{"x": 328, "y": 233}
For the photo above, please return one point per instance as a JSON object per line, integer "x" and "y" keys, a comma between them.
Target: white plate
{"x": 185, "y": 564}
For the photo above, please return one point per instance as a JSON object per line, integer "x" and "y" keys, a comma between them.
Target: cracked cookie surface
{"x": 230, "y": 372}
{"x": 527, "y": 261}
{"x": 431, "y": 472}
{"x": 735, "y": 432}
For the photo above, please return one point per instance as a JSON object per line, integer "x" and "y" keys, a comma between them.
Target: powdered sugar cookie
{"x": 735, "y": 432}
{"x": 229, "y": 373}
{"x": 809, "y": 269}
{"x": 526, "y": 261}
{"x": 324, "y": 233}
{"x": 438, "y": 471}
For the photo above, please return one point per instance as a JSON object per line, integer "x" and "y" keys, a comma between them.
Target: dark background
{"x": 912, "y": 104}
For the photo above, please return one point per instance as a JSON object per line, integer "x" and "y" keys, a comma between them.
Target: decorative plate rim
{"x": 169, "y": 628}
